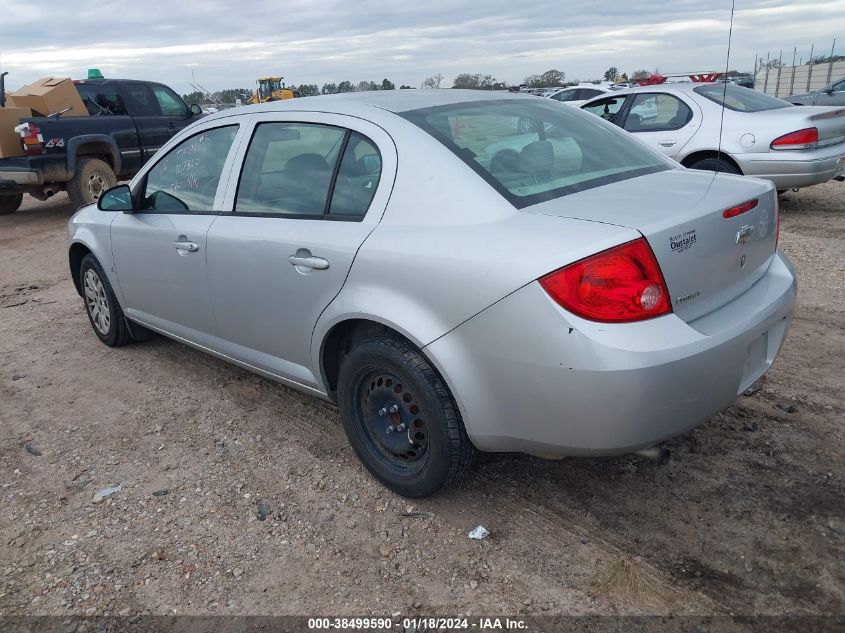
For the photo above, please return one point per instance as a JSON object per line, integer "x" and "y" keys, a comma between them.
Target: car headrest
{"x": 537, "y": 157}
{"x": 306, "y": 162}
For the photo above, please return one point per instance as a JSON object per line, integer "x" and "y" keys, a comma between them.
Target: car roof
{"x": 395, "y": 101}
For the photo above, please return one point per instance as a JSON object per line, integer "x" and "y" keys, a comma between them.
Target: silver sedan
{"x": 760, "y": 136}
{"x": 453, "y": 283}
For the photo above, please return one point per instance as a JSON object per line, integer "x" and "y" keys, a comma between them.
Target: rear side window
{"x": 531, "y": 150}
{"x": 565, "y": 95}
{"x": 357, "y": 178}
{"x": 187, "y": 178}
{"x": 288, "y": 169}
{"x": 292, "y": 170}
{"x": 101, "y": 100}
{"x": 740, "y": 99}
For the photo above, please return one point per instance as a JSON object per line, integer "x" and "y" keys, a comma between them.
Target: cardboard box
{"x": 48, "y": 96}
{"x": 10, "y": 141}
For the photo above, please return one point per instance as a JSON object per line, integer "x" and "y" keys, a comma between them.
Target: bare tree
{"x": 433, "y": 81}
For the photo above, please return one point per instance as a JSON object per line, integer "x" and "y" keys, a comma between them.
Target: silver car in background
{"x": 831, "y": 95}
{"x": 761, "y": 136}
{"x": 453, "y": 283}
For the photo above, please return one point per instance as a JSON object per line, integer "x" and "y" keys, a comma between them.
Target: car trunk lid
{"x": 706, "y": 259}
{"x": 829, "y": 121}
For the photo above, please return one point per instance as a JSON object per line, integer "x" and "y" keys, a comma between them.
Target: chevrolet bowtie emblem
{"x": 743, "y": 236}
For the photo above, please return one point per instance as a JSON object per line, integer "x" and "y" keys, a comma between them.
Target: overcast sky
{"x": 229, "y": 44}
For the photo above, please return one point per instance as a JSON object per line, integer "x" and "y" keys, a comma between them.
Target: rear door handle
{"x": 191, "y": 247}
{"x": 666, "y": 143}
{"x": 317, "y": 263}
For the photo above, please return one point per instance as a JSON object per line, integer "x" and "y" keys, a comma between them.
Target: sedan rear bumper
{"x": 794, "y": 168}
{"x": 530, "y": 377}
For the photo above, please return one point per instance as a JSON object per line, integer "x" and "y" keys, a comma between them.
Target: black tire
{"x": 383, "y": 372}
{"x": 93, "y": 176}
{"x": 104, "y": 312}
{"x": 10, "y": 204}
{"x": 716, "y": 164}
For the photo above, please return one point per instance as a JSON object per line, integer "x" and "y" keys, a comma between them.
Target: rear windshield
{"x": 532, "y": 150}
{"x": 739, "y": 98}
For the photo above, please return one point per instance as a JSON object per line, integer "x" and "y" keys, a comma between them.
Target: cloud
{"x": 228, "y": 44}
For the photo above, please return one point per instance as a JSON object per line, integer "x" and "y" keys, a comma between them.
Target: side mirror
{"x": 117, "y": 198}
{"x": 829, "y": 91}
{"x": 196, "y": 110}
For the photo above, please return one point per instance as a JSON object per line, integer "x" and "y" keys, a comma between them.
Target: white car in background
{"x": 761, "y": 136}
{"x": 576, "y": 95}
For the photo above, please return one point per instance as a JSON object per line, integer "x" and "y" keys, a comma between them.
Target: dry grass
{"x": 625, "y": 577}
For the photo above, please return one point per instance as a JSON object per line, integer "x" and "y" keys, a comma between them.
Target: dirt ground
{"x": 747, "y": 518}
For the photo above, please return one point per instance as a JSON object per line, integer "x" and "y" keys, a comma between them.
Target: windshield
{"x": 740, "y": 99}
{"x": 531, "y": 150}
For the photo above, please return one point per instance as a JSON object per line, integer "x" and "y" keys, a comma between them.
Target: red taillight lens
{"x": 618, "y": 285}
{"x": 739, "y": 209}
{"x": 802, "y": 139}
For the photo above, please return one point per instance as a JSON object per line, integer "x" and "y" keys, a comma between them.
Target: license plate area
{"x": 761, "y": 353}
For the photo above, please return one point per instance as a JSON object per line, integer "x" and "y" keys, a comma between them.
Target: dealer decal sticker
{"x": 683, "y": 241}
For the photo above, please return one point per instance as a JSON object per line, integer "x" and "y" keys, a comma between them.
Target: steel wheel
{"x": 394, "y": 422}
{"x": 96, "y": 302}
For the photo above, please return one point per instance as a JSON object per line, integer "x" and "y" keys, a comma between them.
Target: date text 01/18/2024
{"x": 419, "y": 623}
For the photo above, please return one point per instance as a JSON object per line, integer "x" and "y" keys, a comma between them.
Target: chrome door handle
{"x": 317, "y": 263}
{"x": 191, "y": 247}
{"x": 666, "y": 143}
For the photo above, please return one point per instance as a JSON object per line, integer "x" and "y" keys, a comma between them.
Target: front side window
{"x": 562, "y": 151}
{"x": 141, "y": 100}
{"x": 740, "y": 99}
{"x": 660, "y": 111}
{"x": 288, "y": 169}
{"x": 169, "y": 103}
{"x": 187, "y": 178}
{"x": 606, "y": 108}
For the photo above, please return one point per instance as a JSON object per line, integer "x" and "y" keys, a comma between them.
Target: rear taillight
{"x": 618, "y": 285}
{"x": 802, "y": 139}
{"x": 739, "y": 209}
{"x": 31, "y": 139}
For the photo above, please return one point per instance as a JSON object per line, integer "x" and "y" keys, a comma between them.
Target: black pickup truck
{"x": 129, "y": 121}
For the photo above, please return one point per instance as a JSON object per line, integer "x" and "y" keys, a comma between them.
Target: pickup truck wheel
{"x": 10, "y": 204}
{"x": 93, "y": 176}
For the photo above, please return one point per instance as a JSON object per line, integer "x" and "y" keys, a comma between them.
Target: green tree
{"x": 308, "y": 90}
{"x": 194, "y": 97}
{"x": 475, "y": 81}
{"x": 329, "y": 89}
{"x": 611, "y": 74}
{"x": 345, "y": 86}
{"x": 548, "y": 79}
{"x": 404, "y": 87}
{"x": 386, "y": 84}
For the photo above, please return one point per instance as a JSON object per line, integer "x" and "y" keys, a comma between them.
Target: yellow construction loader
{"x": 272, "y": 89}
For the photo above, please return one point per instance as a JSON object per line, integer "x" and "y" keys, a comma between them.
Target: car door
{"x": 159, "y": 251}
{"x": 833, "y": 95}
{"x": 662, "y": 120}
{"x": 310, "y": 190}
{"x": 175, "y": 113}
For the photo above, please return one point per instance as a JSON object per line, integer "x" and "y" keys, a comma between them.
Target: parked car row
{"x": 453, "y": 280}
